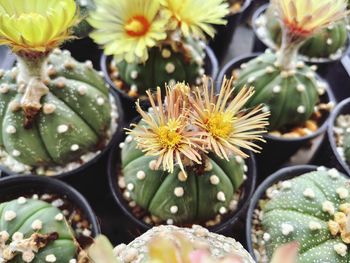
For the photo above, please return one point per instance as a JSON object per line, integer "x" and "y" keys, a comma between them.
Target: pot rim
{"x": 329, "y": 94}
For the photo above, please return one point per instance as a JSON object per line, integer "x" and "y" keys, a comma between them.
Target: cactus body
{"x": 322, "y": 45}
{"x": 83, "y": 29}
{"x": 197, "y": 198}
{"x": 26, "y": 218}
{"x": 346, "y": 145}
{"x": 302, "y": 211}
{"x": 164, "y": 64}
{"x": 289, "y": 95}
{"x": 218, "y": 245}
{"x": 74, "y": 119}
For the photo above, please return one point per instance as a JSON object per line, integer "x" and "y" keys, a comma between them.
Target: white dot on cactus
{"x": 69, "y": 64}
{"x": 86, "y": 232}
{"x": 62, "y": 128}
{"x": 100, "y": 101}
{"x": 132, "y": 204}
{"x": 60, "y": 84}
{"x": 201, "y": 71}
{"x": 59, "y": 217}
{"x": 170, "y": 222}
{"x": 309, "y": 193}
{"x": 329, "y": 41}
{"x": 314, "y": 226}
{"x": 277, "y": 64}
{"x": 328, "y": 207}
{"x": 286, "y": 185}
{"x": 134, "y": 74}
{"x": 245, "y": 168}
{"x": 270, "y": 69}
{"x": 341, "y": 249}
{"x": 300, "y": 64}
{"x": 310, "y": 75}
{"x": 73, "y": 260}
{"x": 35, "y": 197}
{"x": 214, "y": 180}
{"x": 4, "y": 236}
{"x": 200, "y": 231}
{"x": 21, "y": 200}
{"x": 198, "y": 81}
{"x": 37, "y": 224}
{"x": 152, "y": 165}
{"x": 140, "y": 175}
{"x": 221, "y": 196}
{"x": 50, "y": 258}
{"x": 342, "y": 192}
{"x": 276, "y": 89}
{"x": 313, "y": 67}
{"x": 82, "y": 90}
{"x": 331, "y": 26}
{"x": 286, "y": 229}
{"x": 266, "y": 237}
{"x": 130, "y": 186}
{"x": 169, "y": 67}
{"x": 239, "y": 159}
{"x": 166, "y": 53}
{"x": 333, "y": 173}
{"x": 284, "y": 74}
{"x": 300, "y": 87}
{"x": 251, "y": 79}
{"x": 121, "y": 145}
{"x": 9, "y": 215}
{"x": 348, "y": 27}
{"x": 321, "y": 169}
{"x": 16, "y": 153}
{"x": 301, "y": 109}
{"x": 181, "y": 176}
{"x": 128, "y": 139}
{"x": 89, "y": 64}
{"x": 100, "y": 73}
{"x": 126, "y": 195}
{"x": 49, "y": 108}
{"x": 57, "y": 51}
{"x": 243, "y": 65}
{"x": 268, "y": 51}
{"x": 74, "y": 147}
{"x": 17, "y": 236}
{"x": 179, "y": 191}
{"x": 172, "y": 82}
{"x": 265, "y": 108}
{"x": 133, "y": 88}
{"x": 223, "y": 210}
{"x": 4, "y": 88}
{"x": 174, "y": 209}
{"x": 10, "y": 129}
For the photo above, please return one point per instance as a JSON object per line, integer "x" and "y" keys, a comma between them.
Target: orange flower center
{"x": 296, "y": 28}
{"x": 137, "y": 26}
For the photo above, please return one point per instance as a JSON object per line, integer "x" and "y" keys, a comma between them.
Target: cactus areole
{"x": 54, "y": 109}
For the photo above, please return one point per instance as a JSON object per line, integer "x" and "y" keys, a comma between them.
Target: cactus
{"x": 290, "y": 96}
{"x": 312, "y": 209}
{"x": 34, "y": 231}
{"x": 83, "y": 29}
{"x": 346, "y": 145}
{"x": 330, "y": 41}
{"x": 170, "y": 244}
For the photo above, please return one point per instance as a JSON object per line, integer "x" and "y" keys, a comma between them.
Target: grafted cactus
{"x": 312, "y": 209}
{"x": 34, "y": 231}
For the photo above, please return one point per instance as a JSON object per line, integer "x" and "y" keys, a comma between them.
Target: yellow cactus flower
{"x": 195, "y": 16}
{"x": 127, "y": 28}
{"x": 36, "y": 25}
{"x": 305, "y": 17}
{"x": 227, "y": 126}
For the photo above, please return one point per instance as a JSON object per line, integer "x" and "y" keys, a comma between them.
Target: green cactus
{"x": 32, "y": 219}
{"x": 205, "y": 193}
{"x": 164, "y": 64}
{"x": 326, "y": 43}
{"x": 346, "y": 145}
{"x": 74, "y": 119}
{"x": 311, "y": 209}
{"x": 289, "y": 95}
{"x": 166, "y": 244}
{"x": 84, "y": 28}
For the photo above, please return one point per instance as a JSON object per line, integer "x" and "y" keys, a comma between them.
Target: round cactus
{"x": 330, "y": 41}
{"x": 169, "y": 243}
{"x": 74, "y": 119}
{"x": 34, "y": 231}
{"x": 290, "y": 95}
{"x": 165, "y": 64}
{"x": 312, "y": 209}
{"x": 83, "y": 29}
{"x": 207, "y": 191}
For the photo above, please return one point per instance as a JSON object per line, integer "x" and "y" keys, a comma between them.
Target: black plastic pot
{"x": 7, "y": 58}
{"x": 324, "y": 66}
{"x": 211, "y": 69}
{"x": 327, "y": 154}
{"x": 224, "y": 33}
{"x": 281, "y": 175}
{"x": 233, "y": 224}
{"x": 277, "y": 150}
{"x": 16, "y": 186}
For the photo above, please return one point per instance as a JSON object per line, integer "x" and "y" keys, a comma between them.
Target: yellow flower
{"x": 127, "y": 28}
{"x": 195, "y": 16}
{"x": 165, "y": 132}
{"x": 305, "y": 17}
{"x": 36, "y": 25}
{"x": 228, "y": 128}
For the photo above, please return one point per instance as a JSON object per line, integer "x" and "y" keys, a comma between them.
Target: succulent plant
{"x": 202, "y": 165}
{"x": 287, "y": 87}
{"x": 54, "y": 109}
{"x": 170, "y": 244}
{"x": 346, "y": 145}
{"x": 155, "y": 42}
{"x": 312, "y": 209}
{"x": 34, "y": 231}
{"x": 328, "y": 43}
{"x": 83, "y": 29}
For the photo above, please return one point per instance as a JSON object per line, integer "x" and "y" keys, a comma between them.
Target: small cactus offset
{"x": 54, "y": 109}
{"x": 170, "y": 244}
{"x": 34, "y": 231}
{"x": 329, "y": 43}
{"x": 155, "y": 42}
{"x": 312, "y": 209}
{"x": 182, "y": 163}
